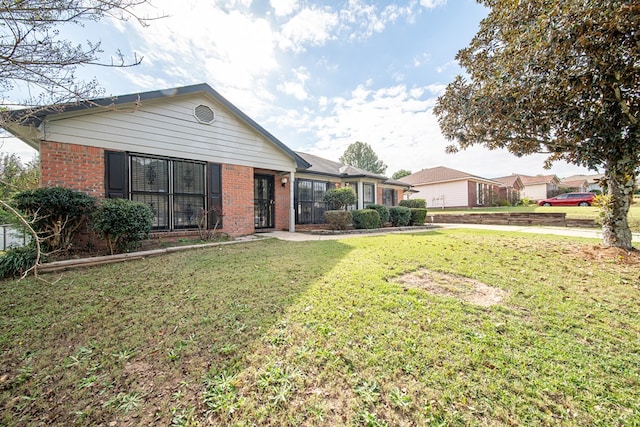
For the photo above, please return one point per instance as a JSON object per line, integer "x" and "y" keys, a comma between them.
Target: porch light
{"x": 284, "y": 181}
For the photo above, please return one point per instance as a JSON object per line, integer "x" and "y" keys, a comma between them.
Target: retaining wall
{"x": 512, "y": 218}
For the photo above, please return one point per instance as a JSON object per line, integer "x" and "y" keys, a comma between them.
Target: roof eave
{"x": 27, "y": 134}
{"x": 40, "y": 116}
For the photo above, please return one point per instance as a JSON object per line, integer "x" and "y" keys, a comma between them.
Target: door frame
{"x": 264, "y": 208}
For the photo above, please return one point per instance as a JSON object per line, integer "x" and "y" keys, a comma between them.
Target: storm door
{"x": 263, "y": 201}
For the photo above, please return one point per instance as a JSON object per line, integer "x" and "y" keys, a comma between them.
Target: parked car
{"x": 569, "y": 199}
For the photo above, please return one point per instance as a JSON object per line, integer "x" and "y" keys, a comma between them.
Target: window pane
{"x": 388, "y": 196}
{"x": 368, "y": 193}
{"x": 159, "y": 205}
{"x": 188, "y": 177}
{"x": 149, "y": 175}
{"x": 187, "y": 211}
{"x": 319, "y": 188}
{"x": 304, "y": 191}
{"x": 304, "y": 213}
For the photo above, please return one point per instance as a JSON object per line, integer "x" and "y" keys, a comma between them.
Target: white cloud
{"x": 296, "y": 86}
{"x": 232, "y": 49}
{"x": 431, "y": 4}
{"x": 284, "y": 7}
{"x": 421, "y": 59}
{"x": 361, "y": 20}
{"x": 308, "y": 27}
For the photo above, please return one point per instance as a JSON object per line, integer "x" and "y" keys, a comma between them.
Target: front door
{"x": 263, "y": 202}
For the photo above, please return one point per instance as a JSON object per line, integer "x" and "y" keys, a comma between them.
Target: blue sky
{"x": 319, "y": 75}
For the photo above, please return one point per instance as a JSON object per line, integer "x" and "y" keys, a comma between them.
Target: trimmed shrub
{"x": 122, "y": 223}
{"x": 383, "y": 212}
{"x": 338, "y": 198}
{"x": 418, "y": 216}
{"x": 414, "y": 203}
{"x": 338, "y": 220}
{"x": 400, "y": 216}
{"x": 366, "y": 218}
{"x": 15, "y": 261}
{"x": 57, "y": 213}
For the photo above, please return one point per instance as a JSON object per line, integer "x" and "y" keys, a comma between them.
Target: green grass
{"x": 320, "y": 333}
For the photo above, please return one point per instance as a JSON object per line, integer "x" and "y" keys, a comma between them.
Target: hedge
{"x": 366, "y": 218}
{"x": 123, "y": 223}
{"x": 400, "y": 216}
{"x": 338, "y": 220}
{"x": 383, "y": 212}
{"x": 414, "y": 203}
{"x": 418, "y": 216}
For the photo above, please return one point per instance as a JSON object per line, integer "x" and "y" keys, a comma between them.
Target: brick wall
{"x": 237, "y": 199}
{"x": 82, "y": 168}
{"x": 72, "y": 166}
{"x": 282, "y": 197}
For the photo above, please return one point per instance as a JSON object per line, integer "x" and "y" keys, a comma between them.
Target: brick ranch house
{"x": 185, "y": 150}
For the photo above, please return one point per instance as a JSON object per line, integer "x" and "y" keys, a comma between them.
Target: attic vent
{"x": 204, "y": 114}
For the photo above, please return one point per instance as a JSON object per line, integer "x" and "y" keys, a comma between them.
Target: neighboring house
{"x": 443, "y": 187}
{"x": 539, "y": 186}
{"x": 184, "y": 151}
{"x": 511, "y": 187}
{"x": 592, "y": 181}
{"x": 578, "y": 185}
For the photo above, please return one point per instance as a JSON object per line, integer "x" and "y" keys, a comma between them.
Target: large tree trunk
{"x": 615, "y": 226}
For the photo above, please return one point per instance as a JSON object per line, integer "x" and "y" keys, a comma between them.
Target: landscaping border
{"x": 555, "y": 219}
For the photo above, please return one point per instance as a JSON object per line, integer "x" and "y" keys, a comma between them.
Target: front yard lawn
{"x": 449, "y": 327}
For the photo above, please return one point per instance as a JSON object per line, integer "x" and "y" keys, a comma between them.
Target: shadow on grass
{"x": 132, "y": 341}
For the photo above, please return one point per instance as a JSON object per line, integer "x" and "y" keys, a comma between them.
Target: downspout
{"x": 292, "y": 206}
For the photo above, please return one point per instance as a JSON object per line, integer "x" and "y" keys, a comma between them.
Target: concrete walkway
{"x": 301, "y": 237}
{"x": 594, "y": 233}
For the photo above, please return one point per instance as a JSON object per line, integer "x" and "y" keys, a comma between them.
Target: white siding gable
{"x": 446, "y": 194}
{"x": 168, "y": 127}
{"x": 534, "y": 192}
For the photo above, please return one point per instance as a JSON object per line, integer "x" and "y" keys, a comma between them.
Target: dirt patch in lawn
{"x": 463, "y": 288}
{"x": 615, "y": 255}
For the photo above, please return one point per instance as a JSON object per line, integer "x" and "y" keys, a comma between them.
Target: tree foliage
{"x": 55, "y": 213}
{"x": 35, "y": 58}
{"x": 361, "y": 155}
{"x": 559, "y": 77}
{"x": 16, "y": 176}
{"x": 340, "y": 198}
{"x": 400, "y": 174}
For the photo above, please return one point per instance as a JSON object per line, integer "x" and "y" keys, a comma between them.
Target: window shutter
{"x": 215, "y": 195}
{"x": 115, "y": 179}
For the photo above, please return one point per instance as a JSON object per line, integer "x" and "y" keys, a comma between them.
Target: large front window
{"x": 388, "y": 197}
{"x": 368, "y": 194}
{"x": 310, "y": 201}
{"x": 174, "y": 189}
